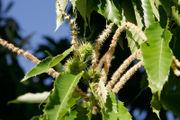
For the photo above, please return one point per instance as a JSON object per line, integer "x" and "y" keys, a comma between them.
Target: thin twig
{"x": 126, "y": 77}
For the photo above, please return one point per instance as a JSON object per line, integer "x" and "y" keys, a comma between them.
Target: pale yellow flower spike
{"x": 102, "y": 37}
{"x": 74, "y": 33}
{"x": 174, "y": 66}
{"x": 35, "y": 60}
{"x": 110, "y": 52}
{"x": 138, "y": 30}
{"x": 122, "y": 68}
{"x": 176, "y": 61}
{"x": 175, "y": 70}
{"x": 126, "y": 77}
{"x": 27, "y": 55}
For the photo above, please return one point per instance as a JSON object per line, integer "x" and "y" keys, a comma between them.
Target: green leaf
{"x": 90, "y": 108}
{"x": 41, "y": 117}
{"x": 155, "y": 104}
{"x": 148, "y": 12}
{"x": 72, "y": 115}
{"x": 108, "y": 9}
{"x": 64, "y": 86}
{"x": 114, "y": 110}
{"x": 40, "y": 68}
{"x": 157, "y": 56}
{"x": 45, "y": 64}
{"x": 85, "y": 8}
{"x": 73, "y": 2}
{"x": 31, "y": 98}
{"x": 60, "y": 4}
{"x": 57, "y": 59}
{"x": 134, "y": 40}
{"x": 137, "y": 12}
{"x": 155, "y": 10}
{"x": 170, "y": 95}
{"x": 176, "y": 15}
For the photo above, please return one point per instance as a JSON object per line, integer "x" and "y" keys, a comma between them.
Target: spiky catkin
{"x": 176, "y": 61}
{"x": 122, "y": 68}
{"x": 126, "y": 77}
{"x": 33, "y": 59}
{"x": 174, "y": 66}
{"x": 27, "y": 55}
{"x": 137, "y": 29}
{"x": 102, "y": 37}
{"x": 110, "y": 52}
{"x": 101, "y": 61}
{"x": 74, "y": 33}
{"x": 175, "y": 70}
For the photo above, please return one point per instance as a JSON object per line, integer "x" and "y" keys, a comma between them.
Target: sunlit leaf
{"x": 154, "y": 9}
{"x": 157, "y": 56}
{"x": 134, "y": 40}
{"x": 114, "y": 110}
{"x": 57, "y": 59}
{"x": 60, "y": 5}
{"x": 64, "y": 86}
{"x": 72, "y": 115}
{"x": 40, "y": 68}
{"x": 176, "y": 15}
{"x": 31, "y": 98}
{"x": 108, "y": 9}
{"x": 148, "y": 12}
{"x": 45, "y": 64}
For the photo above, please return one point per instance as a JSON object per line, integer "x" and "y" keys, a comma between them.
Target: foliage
{"x": 152, "y": 38}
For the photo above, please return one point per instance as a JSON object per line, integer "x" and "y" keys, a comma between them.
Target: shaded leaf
{"x": 9, "y": 6}
{"x": 64, "y": 86}
{"x": 170, "y": 95}
{"x": 31, "y": 98}
{"x": 42, "y": 117}
{"x": 157, "y": 56}
{"x": 85, "y": 8}
{"x": 90, "y": 108}
{"x": 176, "y": 15}
{"x": 155, "y": 104}
{"x": 72, "y": 115}
{"x": 137, "y": 12}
